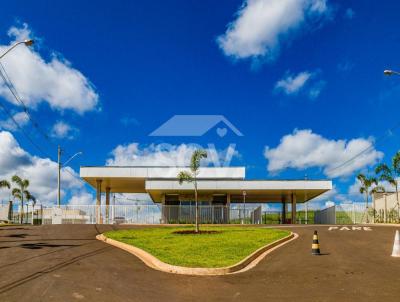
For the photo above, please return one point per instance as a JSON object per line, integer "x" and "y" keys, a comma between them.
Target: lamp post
{"x": 389, "y": 72}
{"x": 26, "y": 42}
{"x": 60, "y": 165}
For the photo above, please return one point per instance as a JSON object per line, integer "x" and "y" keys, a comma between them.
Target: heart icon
{"x": 221, "y": 132}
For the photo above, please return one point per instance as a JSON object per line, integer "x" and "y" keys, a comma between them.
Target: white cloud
{"x": 354, "y": 189}
{"x": 21, "y": 118}
{"x": 63, "y": 130}
{"x": 292, "y": 84}
{"x": 166, "y": 155}
{"x": 304, "y": 81}
{"x": 315, "y": 89}
{"x": 329, "y": 204}
{"x": 54, "y": 81}
{"x": 349, "y": 13}
{"x": 82, "y": 198}
{"x": 329, "y": 195}
{"x": 345, "y": 66}
{"x": 262, "y": 25}
{"x": 41, "y": 172}
{"x": 304, "y": 149}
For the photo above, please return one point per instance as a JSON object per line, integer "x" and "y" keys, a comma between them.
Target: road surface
{"x": 67, "y": 263}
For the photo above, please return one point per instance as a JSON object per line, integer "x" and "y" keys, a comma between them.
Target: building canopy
{"x": 161, "y": 181}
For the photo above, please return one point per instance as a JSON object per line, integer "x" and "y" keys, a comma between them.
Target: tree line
{"x": 19, "y": 191}
{"x": 371, "y": 184}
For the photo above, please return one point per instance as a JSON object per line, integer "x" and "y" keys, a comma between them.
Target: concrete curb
{"x": 246, "y": 264}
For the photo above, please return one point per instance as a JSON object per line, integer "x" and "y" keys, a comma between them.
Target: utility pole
{"x": 60, "y": 165}
{"x": 59, "y": 176}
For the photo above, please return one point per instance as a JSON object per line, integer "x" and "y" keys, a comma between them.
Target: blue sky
{"x": 302, "y": 80}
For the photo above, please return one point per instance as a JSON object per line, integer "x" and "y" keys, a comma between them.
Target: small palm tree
{"x": 369, "y": 186}
{"x": 21, "y": 192}
{"x": 191, "y": 177}
{"x": 30, "y": 197}
{"x": 391, "y": 174}
{"x": 5, "y": 184}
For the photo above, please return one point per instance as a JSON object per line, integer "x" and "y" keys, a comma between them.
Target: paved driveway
{"x": 66, "y": 263}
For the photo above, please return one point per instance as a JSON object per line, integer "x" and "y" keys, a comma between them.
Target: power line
{"x": 9, "y": 84}
{"x": 78, "y": 178}
{"x": 14, "y": 92}
{"x": 23, "y": 131}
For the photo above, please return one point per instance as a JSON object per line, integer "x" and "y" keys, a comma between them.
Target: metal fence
{"x": 29, "y": 215}
{"x": 326, "y": 216}
{"x": 147, "y": 214}
{"x": 185, "y": 214}
{"x": 352, "y": 213}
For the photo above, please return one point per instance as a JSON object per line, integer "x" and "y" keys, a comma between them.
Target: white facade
{"x": 161, "y": 181}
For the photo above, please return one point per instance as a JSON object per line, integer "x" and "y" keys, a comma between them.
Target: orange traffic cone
{"x": 315, "y": 245}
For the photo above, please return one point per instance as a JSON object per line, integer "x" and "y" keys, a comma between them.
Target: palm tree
{"x": 369, "y": 186}
{"x": 391, "y": 174}
{"x": 191, "y": 177}
{"x": 21, "y": 192}
{"x": 29, "y": 197}
{"x": 6, "y": 184}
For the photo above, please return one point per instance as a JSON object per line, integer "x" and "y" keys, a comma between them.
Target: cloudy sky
{"x": 302, "y": 80}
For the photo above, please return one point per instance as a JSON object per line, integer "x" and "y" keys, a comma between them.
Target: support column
{"x": 163, "y": 210}
{"x": 108, "y": 189}
{"x": 294, "y": 208}
{"x": 283, "y": 209}
{"x": 98, "y": 199}
{"x": 228, "y": 208}
{"x": 386, "y": 216}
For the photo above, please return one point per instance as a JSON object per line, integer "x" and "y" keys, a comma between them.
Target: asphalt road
{"x": 66, "y": 263}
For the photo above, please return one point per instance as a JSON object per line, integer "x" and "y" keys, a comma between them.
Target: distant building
{"x": 386, "y": 207}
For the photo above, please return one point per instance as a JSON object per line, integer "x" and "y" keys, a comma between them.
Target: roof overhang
{"x": 256, "y": 190}
{"x": 158, "y": 181}
{"x": 132, "y": 179}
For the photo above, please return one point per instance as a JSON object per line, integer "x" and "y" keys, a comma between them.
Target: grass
{"x": 227, "y": 247}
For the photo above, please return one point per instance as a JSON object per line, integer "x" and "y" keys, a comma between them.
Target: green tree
{"x": 21, "y": 193}
{"x": 391, "y": 175}
{"x": 5, "y": 184}
{"x": 368, "y": 186}
{"x": 191, "y": 177}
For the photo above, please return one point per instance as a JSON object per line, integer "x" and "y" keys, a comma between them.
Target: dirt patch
{"x": 193, "y": 232}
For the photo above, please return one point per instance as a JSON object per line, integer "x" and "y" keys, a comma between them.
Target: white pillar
{"x": 98, "y": 199}
{"x": 108, "y": 189}
{"x": 294, "y": 208}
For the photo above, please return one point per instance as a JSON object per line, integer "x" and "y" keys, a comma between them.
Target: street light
{"x": 26, "y": 42}
{"x": 389, "y": 72}
{"x": 60, "y": 165}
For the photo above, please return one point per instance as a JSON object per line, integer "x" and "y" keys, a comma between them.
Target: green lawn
{"x": 222, "y": 249}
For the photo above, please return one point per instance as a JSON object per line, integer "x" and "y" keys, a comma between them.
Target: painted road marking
{"x": 353, "y": 228}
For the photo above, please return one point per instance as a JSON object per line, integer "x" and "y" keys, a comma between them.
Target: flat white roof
{"x": 158, "y": 181}
{"x": 160, "y": 172}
